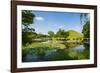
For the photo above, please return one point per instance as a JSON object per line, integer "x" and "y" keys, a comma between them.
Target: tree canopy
{"x": 86, "y": 27}
{"x": 86, "y": 30}
{"x": 27, "y": 17}
{"x": 27, "y": 32}
{"x": 61, "y": 33}
{"x": 51, "y": 33}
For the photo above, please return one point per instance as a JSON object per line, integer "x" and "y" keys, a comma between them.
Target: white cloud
{"x": 39, "y": 18}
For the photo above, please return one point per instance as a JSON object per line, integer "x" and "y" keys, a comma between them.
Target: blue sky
{"x": 52, "y": 21}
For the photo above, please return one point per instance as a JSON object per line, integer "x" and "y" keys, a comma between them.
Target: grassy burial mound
{"x": 74, "y": 35}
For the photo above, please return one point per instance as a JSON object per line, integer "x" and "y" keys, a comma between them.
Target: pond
{"x": 73, "y": 51}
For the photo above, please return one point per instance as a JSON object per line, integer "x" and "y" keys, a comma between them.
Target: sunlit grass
{"x": 45, "y": 45}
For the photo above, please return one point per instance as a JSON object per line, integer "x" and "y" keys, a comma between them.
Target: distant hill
{"x": 74, "y": 35}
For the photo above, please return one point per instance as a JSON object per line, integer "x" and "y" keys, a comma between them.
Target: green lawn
{"x": 45, "y": 45}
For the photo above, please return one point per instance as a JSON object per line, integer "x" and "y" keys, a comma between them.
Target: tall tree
{"x": 86, "y": 30}
{"x": 62, "y": 33}
{"x": 84, "y": 17}
{"x": 27, "y": 17}
{"x": 85, "y": 21}
{"x": 27, "y": 31}
{"x": 51, "y": 33}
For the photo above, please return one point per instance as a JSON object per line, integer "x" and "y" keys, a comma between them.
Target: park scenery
{"x": 55, "y": 36}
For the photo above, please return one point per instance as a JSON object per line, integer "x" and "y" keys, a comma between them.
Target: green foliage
{"x": 86, "y": 27}
{"x": 27, "y": 29}
{"x": 76, "y": 54}
{"x": 51, "y": 33}
{"x": 25, "y": 52}
{"x": 62, "y": 33}
{"x": 27, "y": 17}
{"x": 86, "y": 30}
{"x": 27, "y": 37}
{"x": 27, "y": 32}
{"x": 84, "y": 17}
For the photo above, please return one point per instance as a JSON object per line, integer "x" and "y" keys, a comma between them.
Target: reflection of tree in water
{"x": 72, "y": 44}
{"x": 87, "y": 50}
{"x": 54, "y": 54}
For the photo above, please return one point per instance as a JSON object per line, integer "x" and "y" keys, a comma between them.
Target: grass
{"x": 45, "y": 45}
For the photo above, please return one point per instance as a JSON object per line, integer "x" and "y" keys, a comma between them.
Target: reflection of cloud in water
{"x": 79, "y": 48}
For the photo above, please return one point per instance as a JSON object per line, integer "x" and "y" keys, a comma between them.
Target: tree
{"x": 27, "y": 17}
{"x": 27, "y": 32}
{"x": 84, "y": 17}
{"x": 86, "y": 30}
{"x": 51, "y": 33}
{"x": 62, "y": 33}
{"x": 86, "y": 27}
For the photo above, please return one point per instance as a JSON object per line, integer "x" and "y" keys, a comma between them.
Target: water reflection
{"x": 73, "y": 51}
